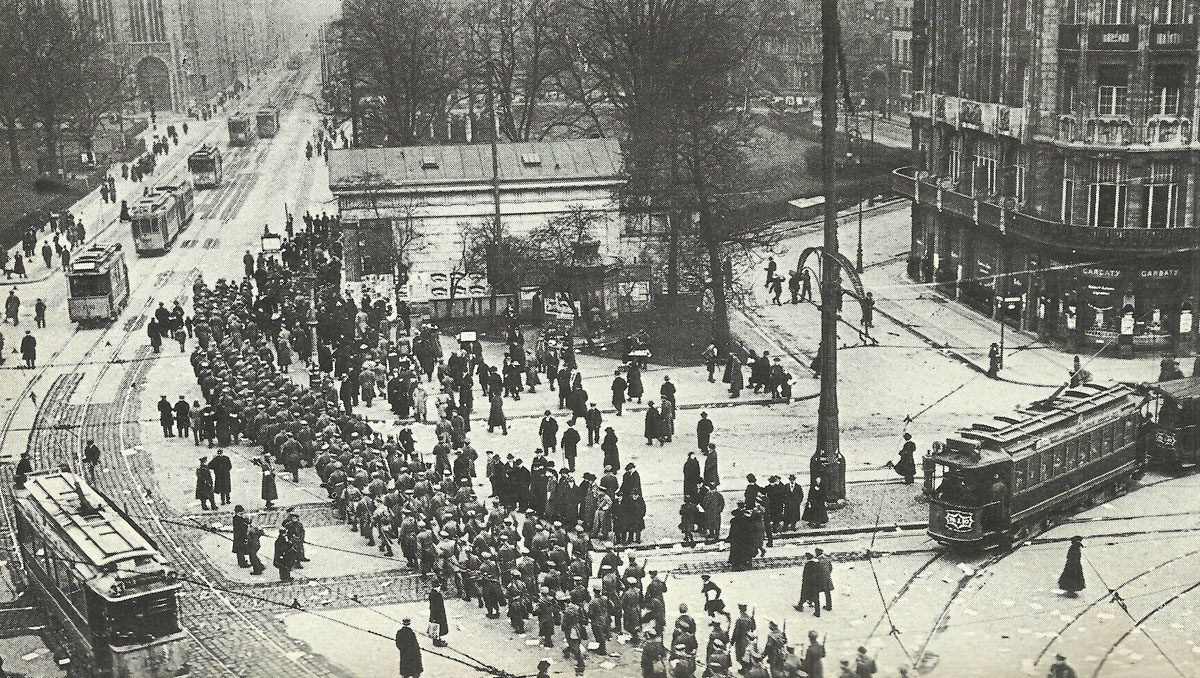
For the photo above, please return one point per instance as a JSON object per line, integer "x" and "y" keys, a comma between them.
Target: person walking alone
{"x": 29, "y": 350}
{"x": 409, "y": 650}
{"x": 204, "y": 486}
{"x": 1071, "y": 580}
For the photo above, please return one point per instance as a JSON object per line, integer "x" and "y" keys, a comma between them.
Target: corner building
{"x": 1054, "y": 167}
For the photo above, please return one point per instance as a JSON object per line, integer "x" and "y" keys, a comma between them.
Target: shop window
{"x": 1067, "y": 81}
{"x": 1115, "y": 11}
{"x": 1107, "y": 196}
{"x": 1112, "y": 89}
{"x": 1166, "y": 89}
{"x": 1161, "y": 196}
{"x": 1169, "y": 12}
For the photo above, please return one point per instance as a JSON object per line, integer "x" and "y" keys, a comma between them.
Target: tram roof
{"x": 1182, "y": 390}
{"x": 102, "y": 538}
{"x": 1006, "y": 430}
{"x": 205, "y": 151}
{"x": 94, "y": 258}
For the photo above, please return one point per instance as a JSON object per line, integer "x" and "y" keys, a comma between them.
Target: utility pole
{"x": 828, "y": 445}
{"x": 494, "y": 265}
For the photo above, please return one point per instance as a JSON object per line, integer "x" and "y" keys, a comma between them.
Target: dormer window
{"x": 531, "y": 159}
{"x": 429, "y": 162}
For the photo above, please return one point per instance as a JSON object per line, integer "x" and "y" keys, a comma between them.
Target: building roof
{"x": 416, "y": 166}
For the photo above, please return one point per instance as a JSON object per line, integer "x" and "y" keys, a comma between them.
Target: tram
{"x": 267, "y": 121}
{"x": 98, "y": 282}
{"x": 101, "y": 577}
{"x": 1172, "y": 416}
{"x": 1003, "y": 480}
{"x": 160, "y": 215}
{"x": 205, "y": 166}
{"x": 241, "y": 129}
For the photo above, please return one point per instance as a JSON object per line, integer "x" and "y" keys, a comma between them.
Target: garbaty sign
{"x": 1158, "y": 273}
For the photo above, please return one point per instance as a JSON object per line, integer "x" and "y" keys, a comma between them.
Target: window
{"x": 986, "y": 152}
{"x": 137, "y": 21}
{"x": 1068, "y": 201}
{"x": 955, "y": 164}
{"x": 1114, "y": 11}
{"x": 1107, "y": 195}
{"x": 1066, "y": 87}
{"x": 1035, "y": 470}
{"x": 1166, "y": 89}
{"x": 1019, "y": 475}
{"x": 1161, "y": 196}
{"x": 1018, "y": 191}
{"x": 1112, "y": 89}
{"x": 1070, "y": 12}
{"x": 1168, "y": 11}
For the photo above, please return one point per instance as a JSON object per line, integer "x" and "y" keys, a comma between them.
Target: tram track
{"x": 131, "y": 403}
{"x": 1108, "y": 597}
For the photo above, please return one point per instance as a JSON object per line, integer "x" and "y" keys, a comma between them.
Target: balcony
{"x": 927, "y": 190}
{"x": 1113, "y": 37}
{"x": 1173, "y": 37}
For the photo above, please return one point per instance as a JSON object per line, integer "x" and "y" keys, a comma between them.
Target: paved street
{"x": 909, "y": 602}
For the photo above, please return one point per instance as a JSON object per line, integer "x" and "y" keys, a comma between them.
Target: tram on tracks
{"x": 1004, "y": 480}
{"x": 1172, "y": 416}
{"x": 102, "y": 578}
{"x": 205, "y": 166}
{"x": 241, "y": 129}
{"x": 160, "y": 215}
{"x": 267, "y": 121}
{"x": 98, "y": 284}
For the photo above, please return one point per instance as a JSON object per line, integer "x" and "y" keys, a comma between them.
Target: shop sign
{"x": 1127, "y": 324}
{"x": 1185, "y": 320}
{"x": 1113, "y": 36}
{"x": 1158, "y": 273}
{"x": 1102, "y": 272}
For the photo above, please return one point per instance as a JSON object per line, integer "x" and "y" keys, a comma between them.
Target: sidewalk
{"x": 98, "y": 216}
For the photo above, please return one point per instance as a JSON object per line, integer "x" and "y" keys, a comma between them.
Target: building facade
{"x": 422, "y": 202}
{"x": 1054, "y": 166}
{"x": 185, "y": 53}
{"x": 900, "y": 68}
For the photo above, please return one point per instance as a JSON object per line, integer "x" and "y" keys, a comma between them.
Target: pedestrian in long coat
{"x": 29, "y": 350}
{"x": 409, "y": 650}
{"x": 907, "y": 466}
{"x": 1071, "y": 580}
{"x": 241, "y": 531}
{"x": 204, "y": 486}
{"x": 496, "y": 414}
{"x": 815, "y": 513}
{"x": 283, "y": 352}
{"x": 221, "y": 466}
{"x": 612, "y": 455}
{"x": 691, "y": 475}
{"x": 712, "y": 474}
{"x": 733, "y": 374}
{"x": 269, "y": 491}
{"x": 283, "y": 559}
{"x": 634, "y": 379}
{"x": 741, "y": 547}
{"x": 667, "y": 411}
{"x": 713, "y": 504}
{"x": 439, "y": 626}
{"x": 704, "y": 429}
{"x": 653, "y": 429}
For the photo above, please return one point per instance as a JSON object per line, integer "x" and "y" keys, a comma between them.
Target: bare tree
{"x": 14, "y": 100}
{"x": 407, "y": 56}
{"x": 68, "y": 77}
{"x": 511, "y": 49}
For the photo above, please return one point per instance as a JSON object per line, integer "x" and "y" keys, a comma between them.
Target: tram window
{"x": 1047, "y": 465}
{"x": 1071, "y": 460}
{"x": 1035, "y": 470}
{"x": 90, "y": 285}
{"x": 1085, "y": 448}
{"x": 143, "y": 618}
{"x": 1019, "y": 475}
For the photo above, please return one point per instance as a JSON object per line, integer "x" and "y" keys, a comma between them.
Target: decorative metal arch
{"x": 844, "y": 264}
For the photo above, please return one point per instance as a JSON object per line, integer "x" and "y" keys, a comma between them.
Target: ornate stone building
{"x": 1054, "y": 166}
{"x": 184, "y": 53}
